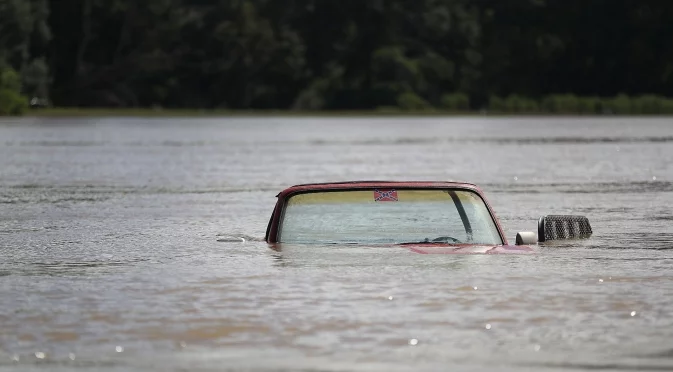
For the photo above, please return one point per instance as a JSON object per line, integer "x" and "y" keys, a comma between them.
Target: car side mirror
{"x": 563, "y": 227}
{"x": 526, "y": 238}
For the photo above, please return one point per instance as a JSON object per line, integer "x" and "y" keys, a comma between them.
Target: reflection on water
{"x": 134, "y": 244}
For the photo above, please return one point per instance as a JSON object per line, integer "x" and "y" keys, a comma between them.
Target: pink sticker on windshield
{"x": 385, "y": 195}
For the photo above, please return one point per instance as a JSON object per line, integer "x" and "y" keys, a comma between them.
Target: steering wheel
{"x": 445, "y": 239}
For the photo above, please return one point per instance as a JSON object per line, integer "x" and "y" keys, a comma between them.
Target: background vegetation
{"x": 522, "y": 56}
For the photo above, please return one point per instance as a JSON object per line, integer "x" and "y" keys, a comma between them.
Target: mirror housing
{"x": 526, "y": 238}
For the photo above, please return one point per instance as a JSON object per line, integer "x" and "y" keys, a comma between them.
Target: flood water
{"x": 111, "y": 255}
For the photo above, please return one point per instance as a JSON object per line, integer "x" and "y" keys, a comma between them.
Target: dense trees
{"x": 334, "y": 54}
{"x": 24, "y": 35}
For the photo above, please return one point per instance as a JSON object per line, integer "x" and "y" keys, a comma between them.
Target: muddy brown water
{"x": 110, "y": 259}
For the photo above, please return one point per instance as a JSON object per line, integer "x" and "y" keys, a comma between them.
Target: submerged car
{"x": 425, "y": 217}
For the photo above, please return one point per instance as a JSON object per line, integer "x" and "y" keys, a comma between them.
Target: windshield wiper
{"x": 439, "y": 240}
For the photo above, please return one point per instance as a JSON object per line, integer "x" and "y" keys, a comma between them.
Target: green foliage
{"x": 647, "y": 104}
{"x": 412, "y": 102}
{"x": 512, "y": 56}
{"x": 561, "y": 103}
{"x": 519, "y": 104}
{"x": 496, "y": 104}
{"x": 641, "y": 105}
{"x": 667, "y": 106}
{"x": 9, "y": 79}
{"x": 589, "y": 105}
{"x": 570, "y": 104}
{"x": 24, "y": 37}
{"x": 617, "y": 105}
{"x": 455, "y": 102}
{"x": 12, "y": 103}
{"x": 313, "y": 97}
{"x": 388, "y": 109}
{"x": 530, "y": 105}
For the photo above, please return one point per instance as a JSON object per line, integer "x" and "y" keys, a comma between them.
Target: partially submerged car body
{"x": 387, "y": 213}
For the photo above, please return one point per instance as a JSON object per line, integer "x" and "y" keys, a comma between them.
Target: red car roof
{"x": 350, "y": 185}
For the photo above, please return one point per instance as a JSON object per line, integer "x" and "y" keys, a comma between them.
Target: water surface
{"x": 109, "y": 234}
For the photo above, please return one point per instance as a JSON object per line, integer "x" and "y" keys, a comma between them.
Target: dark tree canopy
{"x": 333, "y": 54}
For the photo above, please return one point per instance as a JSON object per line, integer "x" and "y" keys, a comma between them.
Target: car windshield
{"x": 388, "y": 216}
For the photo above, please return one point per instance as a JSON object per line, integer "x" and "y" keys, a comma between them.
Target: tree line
{"x": 514, "y": 55}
